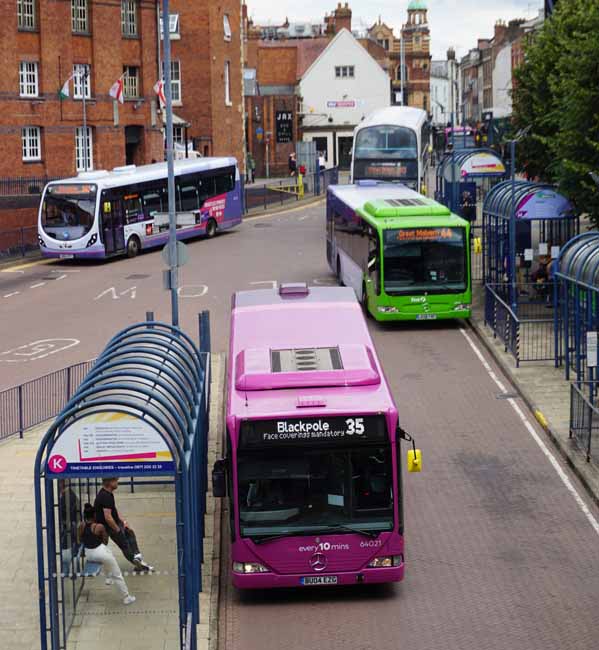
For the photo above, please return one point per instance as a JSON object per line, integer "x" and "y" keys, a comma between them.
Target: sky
{"x": 457, "y": 23}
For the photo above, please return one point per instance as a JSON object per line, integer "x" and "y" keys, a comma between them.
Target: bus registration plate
{"x": 318, "y": 580}
{"x": 426, "y": 316}
{"x": 66, "y": 256}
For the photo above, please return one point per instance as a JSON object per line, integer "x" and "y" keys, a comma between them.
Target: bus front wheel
{"x": 339, "y": 278}
{"x": 365, "y": 300}
{"x": 133, "y": 246}
{"x": 211, "y": 228}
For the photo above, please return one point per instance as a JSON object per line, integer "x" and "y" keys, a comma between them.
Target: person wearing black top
{"x": 94, "y": 538}
{"x": 117, "y": 528}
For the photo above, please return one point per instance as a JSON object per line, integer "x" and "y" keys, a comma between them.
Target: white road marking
{"x": 39, "y": 284}
{"x": 535, "y": 436}
{"x": 61, "y": 277}
{"x": 37, "y": 350}
{"x": 11, "y": 271}
{"x": 325, "y": 282}
{"x": 272, "y": 283}
{"x": 115, "y": 296}
{"x": 192, "y": 290}
{"x": 9, "y": 295}
{"x": 306, "y": 216}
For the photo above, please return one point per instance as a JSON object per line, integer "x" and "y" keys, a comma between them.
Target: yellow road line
{"x": 13, "y": 269}
{"x": 311, "y": 204}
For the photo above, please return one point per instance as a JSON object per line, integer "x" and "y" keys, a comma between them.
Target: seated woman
{"x": 94, "y": 538}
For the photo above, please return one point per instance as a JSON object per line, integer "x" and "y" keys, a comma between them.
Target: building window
{"x": 81, "y": 81}
{"x": 30, "y": 136}
{"x": 173, "y": 25}
{"x": 175, "y": 80}
{"x": 130, "y": 82}
{"x": 228, "y": 101}
{"x": 26, "y": 18}
{"x": 129, "y": 17}
{"x": 79, "y": 16}
{"x": 28, "y": 79}
{"x": 178, "y": 135}
{"x": 227, "y": 27}
{"x": 84, "y": 153}
{"x": 344, "y": 71}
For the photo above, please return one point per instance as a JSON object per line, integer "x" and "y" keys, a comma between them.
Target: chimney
{"x": 451, "y": 54}
{"x": 500, "y": 32}
{"x": 342, "y": 18}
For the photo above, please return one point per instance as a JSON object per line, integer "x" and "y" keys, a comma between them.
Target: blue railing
{"x": 38, "y": 400}
{"x": 584, "y": 416}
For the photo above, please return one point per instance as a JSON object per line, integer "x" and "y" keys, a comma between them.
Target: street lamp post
{"x": 168, "y": 95}
{"x": 83, "y": 96}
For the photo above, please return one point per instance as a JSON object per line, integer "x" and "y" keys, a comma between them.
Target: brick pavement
{"x": 151, "y": 623}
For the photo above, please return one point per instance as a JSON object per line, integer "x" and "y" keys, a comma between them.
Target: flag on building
{"x": 64, "y": 92}
{"x": 116, "y": 90}
{"x": 159, "y": 90}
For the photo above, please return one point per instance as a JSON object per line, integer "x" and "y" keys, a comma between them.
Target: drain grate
{"x": 138, "y": 276}
{"x": 507, "y": 396}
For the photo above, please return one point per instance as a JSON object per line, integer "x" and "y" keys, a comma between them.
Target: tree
{"x": 557, "y": 94}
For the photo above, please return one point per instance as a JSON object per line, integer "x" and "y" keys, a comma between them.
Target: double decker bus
{"x": 407, "y": 257}
{"x": 100, "y": 214}
{"x": 461, "y": 137}
{"x": 392, "y": 144}
{"x": 312, "y": 458}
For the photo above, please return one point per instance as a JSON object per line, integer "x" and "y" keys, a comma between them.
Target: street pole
{"x": 172, "y": 239}
{"x": 84, "y": 91}
{"x": 453, "y": 178}
{"x": 512, "y": 231}
{"x": 402, "y": 68}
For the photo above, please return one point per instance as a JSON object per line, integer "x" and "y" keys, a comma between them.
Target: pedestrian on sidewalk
{"x": 292, "y": 164}
{"x": 251, "y": 168}
{"x": 94, "y": 538}
{"x": 116, "y": 526}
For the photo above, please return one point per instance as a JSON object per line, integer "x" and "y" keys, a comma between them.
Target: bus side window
{"x": 374, "y": 256}
{"x": 206, "y": 188}
{"x": 224, "y": 183}
{"x": 133, "y": 209}
{"x": 152, "y": 203}
{"x": 188, "y": 198}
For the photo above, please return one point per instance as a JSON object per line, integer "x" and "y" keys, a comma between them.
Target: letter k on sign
{"x": 57, "y": 464}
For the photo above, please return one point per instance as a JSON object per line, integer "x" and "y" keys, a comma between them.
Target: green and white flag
{"x": 64, "y": 92}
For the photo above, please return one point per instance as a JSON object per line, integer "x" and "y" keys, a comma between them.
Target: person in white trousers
{"x": 94, "y": 538}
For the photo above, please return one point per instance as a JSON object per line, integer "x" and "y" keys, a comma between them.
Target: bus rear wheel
{"x": 211, "y": 228}
{"x": 365, "y": 300}
{"x": 133, "y": 246}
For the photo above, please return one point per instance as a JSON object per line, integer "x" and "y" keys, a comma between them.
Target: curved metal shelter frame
{"x": 577, "y": 292}
{"x": 536, "y": 212}
{"x": 457, "y": 168}
{"x": 153, "y": 382}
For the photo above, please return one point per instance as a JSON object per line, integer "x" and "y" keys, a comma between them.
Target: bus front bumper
{"x": 388, "y": 313}
{"x": 273, "y": 580}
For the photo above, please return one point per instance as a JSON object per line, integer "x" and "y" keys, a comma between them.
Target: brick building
{"x": 42, "y": 43}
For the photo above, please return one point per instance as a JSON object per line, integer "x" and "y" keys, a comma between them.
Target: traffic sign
{"x": 182, "y": 254}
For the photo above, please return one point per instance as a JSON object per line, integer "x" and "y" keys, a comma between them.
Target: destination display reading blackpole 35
{"x": 343, "y": 430}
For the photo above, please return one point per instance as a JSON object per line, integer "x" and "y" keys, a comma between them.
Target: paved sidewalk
{"x": 152, "y": 622}
{"x": 547, "y": 393}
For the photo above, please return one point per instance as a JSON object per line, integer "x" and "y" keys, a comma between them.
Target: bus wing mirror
{"x": 372, "y": 264}
{"x": 219, "y": 479}
{"x": 414, "y": 455}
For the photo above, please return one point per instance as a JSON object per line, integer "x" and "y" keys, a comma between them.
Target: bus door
{"x": 113, "y": 226}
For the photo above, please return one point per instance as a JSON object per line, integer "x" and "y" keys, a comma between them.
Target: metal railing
{"x": 275, "y": 192}
{"x": 584, "y": 416}
{"x": 24, "y": 185}
{"x": 476, "y": 254}
{"x": 529, "y": 334}
{"x": 38, "y": 400}
{"x": 19, "y": 242}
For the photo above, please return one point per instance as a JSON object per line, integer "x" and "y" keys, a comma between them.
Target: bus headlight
{"x": 384, "y": 309}
{"x": 462, "y": 307}
{"x": 386, "y": 561}
{"x": 249, "y": 567}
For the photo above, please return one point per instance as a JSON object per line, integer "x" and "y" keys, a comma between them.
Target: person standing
{"x": 251, "y": 168}
{"x": 94, "y": 538}
{"x": 292, "y": 164}
{"x": 116, "y": 526}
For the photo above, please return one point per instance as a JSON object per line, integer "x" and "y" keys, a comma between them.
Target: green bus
{"x": 407, "y": 257}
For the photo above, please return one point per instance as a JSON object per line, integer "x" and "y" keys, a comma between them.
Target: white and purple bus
{"x": 101, "y": 214}
{"x": 311, "y": 463}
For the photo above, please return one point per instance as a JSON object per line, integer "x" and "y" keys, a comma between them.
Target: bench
{"x": 91, "y": 569}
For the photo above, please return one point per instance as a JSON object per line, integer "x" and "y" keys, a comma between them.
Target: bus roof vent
{"x": 413, "y": 207}
{"x": 99, "y": 173}
{"x": 303, "y": 359}
{"x": 124, "y": 169}
{"x": 293, "y": 289}
{"x": 346, "y": 365}
{"x": 402, "y": 203}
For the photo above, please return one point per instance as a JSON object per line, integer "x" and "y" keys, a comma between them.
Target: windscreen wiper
{"x": 269, "y": 538}
{"x": 367, "y": 533}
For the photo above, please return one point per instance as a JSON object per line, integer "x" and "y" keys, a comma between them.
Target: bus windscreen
{"x": 68, "y": 211}
{"x": 386, "y": 142}
{"x": 418, "y": 260}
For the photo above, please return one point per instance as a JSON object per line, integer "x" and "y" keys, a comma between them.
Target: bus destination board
{"x": 351, "y": 429}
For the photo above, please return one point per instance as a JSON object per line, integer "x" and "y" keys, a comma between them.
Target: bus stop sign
{"x": 182, "y": 254}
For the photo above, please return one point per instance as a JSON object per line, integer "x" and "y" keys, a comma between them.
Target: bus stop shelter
{"x": 465, "y": 175}
{"x": 524, "y": 224}
{"x": 142, "y": 412}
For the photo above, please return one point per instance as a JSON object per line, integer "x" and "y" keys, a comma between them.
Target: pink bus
{"x": 311, "y": 461}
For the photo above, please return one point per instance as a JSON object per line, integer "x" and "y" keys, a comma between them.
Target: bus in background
{"x": 462, "y": 137}
{"x": 100, "y": 214}
{"x": 312, "y": 457}
{"x": 392, "y": 144}
{"x": 407, "y": 257}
